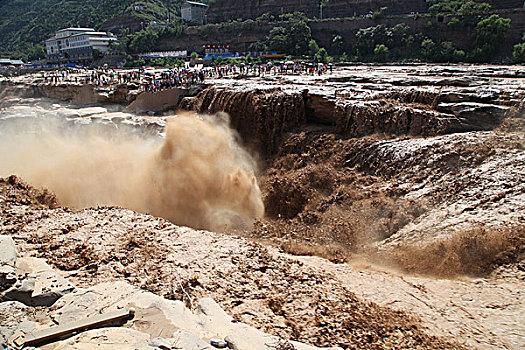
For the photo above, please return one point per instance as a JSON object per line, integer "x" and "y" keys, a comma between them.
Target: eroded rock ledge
{"x": 353, "y": 101}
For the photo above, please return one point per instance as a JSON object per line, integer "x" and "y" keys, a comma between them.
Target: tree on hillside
{"x": 471, "y": 8}
{"x": 460, "y": 7}
{"x": 321, "y": 56}
{"x": 145, "y": 40}
{"x": 369, "y": 38}
{"x": 381, "y": 53}
{"x": 336, "y": 46}
{"x": 490, "y": 34}
{"x": 278, "y": 40}
{"x": 518, "y": 52}
{"x": 300, "y": 34}
{"x": 293, "y": 37}
{"x": 312, "y": 48}
{"x": 428, "y": 49}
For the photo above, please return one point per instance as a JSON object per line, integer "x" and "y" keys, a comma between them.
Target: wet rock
{"x": 371, "y": 117}
{"x": 474, "y": 116}
{"x": 160, "y": 101}
{"x": 260, "y": 116}
{"x": 469, "y": 95}
{"x": 37, "y": 283}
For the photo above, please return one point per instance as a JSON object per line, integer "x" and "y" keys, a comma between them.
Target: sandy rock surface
{"x": 274, "y": 293}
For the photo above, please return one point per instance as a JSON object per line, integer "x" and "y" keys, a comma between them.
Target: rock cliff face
{"x": 83, "y": 94}
{"x": 222, "y": 10}
{"x": 233, "y": 9}
{"x": 263, "y": 116}
{"x": 505, "y": 4}
{"x": 76, "y": 93}
{"x": 260, "y": 116}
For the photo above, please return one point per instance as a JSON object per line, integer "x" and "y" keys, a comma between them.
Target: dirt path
{"x": 483, "y": 313}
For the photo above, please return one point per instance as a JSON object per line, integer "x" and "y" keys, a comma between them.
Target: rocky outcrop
{"x": 375, "y": 117}
{"x": 37, "y": 284}
{"x": 260, "y": 116}
{"x": 86, "y": 95}
{"x": 160, "y": 101}
{"x": 158, "y": 320}
{"x": 7, "y": 262}
{"x": 150, "y": 257}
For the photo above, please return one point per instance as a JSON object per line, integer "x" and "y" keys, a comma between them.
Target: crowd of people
{"x": 269, "y": 68}
{"x": 154, "y": 80}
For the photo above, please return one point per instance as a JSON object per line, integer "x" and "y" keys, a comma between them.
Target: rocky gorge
{"x": 394, "y": 199}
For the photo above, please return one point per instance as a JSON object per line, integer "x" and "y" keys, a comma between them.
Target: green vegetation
{"x": 292, "y": 37}
{"x": 381, "y": 53}
{"x": 322, "y": 56}
{"x": 380, "y": 43}
{"x": 25, "y": 24}
{"x": 460, "y": 7}
{"x": 518, "y": 54}
{"x": 490, "y": 33}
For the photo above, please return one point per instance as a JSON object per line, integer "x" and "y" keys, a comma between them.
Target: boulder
{"x": 248, "y": 338}
{"x": 7, "y": 262}
{"x": 473, "y": 116}
{"x": 37, "y": 284}
{"x": 125, "y": 338}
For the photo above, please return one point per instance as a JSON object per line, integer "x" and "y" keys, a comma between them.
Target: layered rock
{"x": 84, "y": 94}
{"x": 260, "y": 116}
{"x": 222, "y": 10}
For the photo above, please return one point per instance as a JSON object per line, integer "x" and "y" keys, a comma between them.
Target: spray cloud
{"x": 196, "y": 176}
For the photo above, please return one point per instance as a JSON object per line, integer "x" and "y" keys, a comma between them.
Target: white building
{"x": 191, "y": 10}
{"x": 5, "y": 62}
{"x": 77, "y": 44}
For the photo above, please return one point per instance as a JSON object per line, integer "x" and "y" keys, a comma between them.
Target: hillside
{"x": 222, "y": 10}
{"x": 24, "y": 24}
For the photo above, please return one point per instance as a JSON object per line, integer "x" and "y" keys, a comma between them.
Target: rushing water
{"x": 187, "y": 168}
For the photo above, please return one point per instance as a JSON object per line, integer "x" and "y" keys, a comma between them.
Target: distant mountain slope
{"x": 222, "y": 10}
{"x": 24, "y": 24}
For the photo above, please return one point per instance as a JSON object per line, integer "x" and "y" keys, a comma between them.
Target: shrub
{"x": 518, "y": 54}
{"x": 381, "y": 53}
